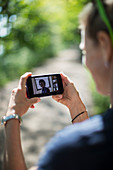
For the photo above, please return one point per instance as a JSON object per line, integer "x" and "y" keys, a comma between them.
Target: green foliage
{"x": 28, "y": 41}
{"x": 36, "y": 30}
{"x": 101, "y": 103}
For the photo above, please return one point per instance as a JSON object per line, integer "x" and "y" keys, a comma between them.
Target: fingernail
{"x": 59, "y": 96}
{"x": 38, "y": 100}
{"x": 32, "y": 106}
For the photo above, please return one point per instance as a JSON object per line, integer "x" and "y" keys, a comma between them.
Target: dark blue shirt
{"x": 45, "y": 90}
{"x": 82, "y": 146}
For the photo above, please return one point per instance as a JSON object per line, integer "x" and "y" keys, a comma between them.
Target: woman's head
{"x": 97, "y": 44}
{"x": 91, "y": 18}
{"x": 42, "y": 83}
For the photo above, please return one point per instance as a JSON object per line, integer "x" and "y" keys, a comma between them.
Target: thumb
{"x": 65, "y": 79}
{"x": 57, "y": 97}
{"x": 34, "y": 100}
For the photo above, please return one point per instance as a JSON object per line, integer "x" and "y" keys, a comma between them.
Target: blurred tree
{"x": 25, "y": 37}
{"x": 70, "y": 30}
{"x": 33, "y": 30}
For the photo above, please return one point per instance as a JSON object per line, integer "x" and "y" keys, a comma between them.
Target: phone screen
{"x": 44, "y": 85}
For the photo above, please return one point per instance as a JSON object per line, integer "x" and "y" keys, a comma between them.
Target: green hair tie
{"x": 105, "y": 18}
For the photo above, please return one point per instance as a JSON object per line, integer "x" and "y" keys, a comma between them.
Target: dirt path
{"x": 41, "y": 123}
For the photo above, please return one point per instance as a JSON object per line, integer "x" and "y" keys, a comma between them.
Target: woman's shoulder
{"x": 75, "y": 133}
{"x": 69, "y": 139}
{"x": 76, "y": 138}
{"x": 88, "y": 128}
{"x": 85, "y": 128}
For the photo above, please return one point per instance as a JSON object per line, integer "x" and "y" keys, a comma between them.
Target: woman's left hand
{"x": 19, "y": 103}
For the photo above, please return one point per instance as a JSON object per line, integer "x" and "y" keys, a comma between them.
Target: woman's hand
{"x": 19, "y": 103}
{"x": 70, "y": 97}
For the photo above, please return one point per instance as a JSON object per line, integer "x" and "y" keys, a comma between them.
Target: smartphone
{"x": 44, "y": 85}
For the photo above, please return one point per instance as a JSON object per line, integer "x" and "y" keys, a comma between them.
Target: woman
{"x": 85, "y": 145}
{"x": 42, "y": 83}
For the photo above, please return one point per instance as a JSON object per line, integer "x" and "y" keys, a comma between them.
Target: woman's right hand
{"x": 70, "y": 97}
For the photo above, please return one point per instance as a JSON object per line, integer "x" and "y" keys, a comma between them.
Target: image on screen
{"x": 44, "y": 85}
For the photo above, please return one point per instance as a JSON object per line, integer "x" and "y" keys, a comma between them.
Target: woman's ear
{"x": 106, "y": 47}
